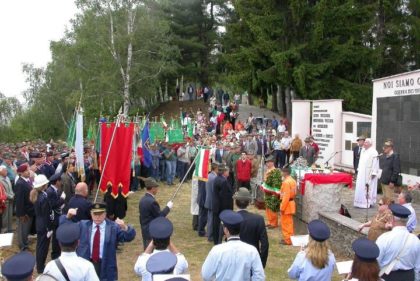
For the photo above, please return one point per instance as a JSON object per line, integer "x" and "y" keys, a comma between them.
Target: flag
{"x": 134, "y": 148}
{"x": 117, "y": 170}
{"x": 71, "y": 134}
{"x": 190, "y": 128}
{"x": 145, "y": 140}
{"x": 202, "y": 164}
{"x": 78, "y": 145}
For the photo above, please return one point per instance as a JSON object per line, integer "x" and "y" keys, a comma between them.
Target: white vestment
{"x": 367, "y": 173}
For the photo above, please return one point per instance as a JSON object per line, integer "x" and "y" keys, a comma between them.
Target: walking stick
{"x": 117, "y": 124}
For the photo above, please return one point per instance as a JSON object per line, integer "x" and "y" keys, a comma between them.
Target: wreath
{"x": 271, "y": 189}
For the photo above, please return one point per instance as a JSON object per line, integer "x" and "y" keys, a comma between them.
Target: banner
{"x": 202, "y": 164}
{"x": 78, "y": 146}
{"x": 117, "y": 170}
{"x": 175, "y": 136}
{"x": 71, "y": 134}
{"x": 145, "y": 141}
{"x": 156, "y": 131}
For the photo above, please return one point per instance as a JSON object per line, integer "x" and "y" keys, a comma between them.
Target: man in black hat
{"x": 19, "y": 267}
{"x": 160, "y": 230}
{"x": 253, "y": 229}
{"x": 149, "y": 209}
{"x": 234, "y": 260}
{"x": 99, "y": 238}
{"x": 222, "y": 200}
{"x": 69, "y": 264}
{"x": 356, "y": 152}
{"x": 399, "y": 256}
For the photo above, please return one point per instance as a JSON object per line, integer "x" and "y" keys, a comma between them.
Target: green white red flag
{"x": 202, "y": 164}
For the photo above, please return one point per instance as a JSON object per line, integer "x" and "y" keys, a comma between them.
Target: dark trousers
{"x": 55, "y": 247}
{"x": 202, "y": 221}
{"x": 400, "y": 275}
{"x": 277, "y": 157}
{"x": 42, "y": 245}
{"x": 283, "y": 157}
{"x": 217, "y": 230}
{"x": 246, "y": 184}
{"x": 195, "y": 222}
{"x": 295, "y": 155}
{"x": 183, "y": 168}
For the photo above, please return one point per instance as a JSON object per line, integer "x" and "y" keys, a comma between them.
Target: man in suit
{"x": 149, "y": 209}
{"x": 356, "y": 152}
{"x": 308, "y": 152}
{"x": 80, "y": 203}
{"x": 56, "y": 200}
{"x": 202, "y": 211}
{"x": 208, "y": 204}
{"x": 222, "y": 200}
{"x": 24, "y": 207}
{"x": 68, "y": 181}
{"x": 219, "y": 154}
{"x": 253, "y": 229}
{"x": 101, "y": 252}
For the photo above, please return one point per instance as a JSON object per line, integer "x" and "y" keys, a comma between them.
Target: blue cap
{"x": 18, "y": 267}
{"x": 55, "y": 177}
{"x": 365, "y": 249}
{"x": 160, "y": 228}
{"x": 161, "y": 263}
{"x": 230, "y": 218}
{"x": 399, "y": 211}
{"x": 318, "y": 230}
{"x": 68, "y": 233}
{"x": 177, "y": 279}
{"x": 98, "y": 208}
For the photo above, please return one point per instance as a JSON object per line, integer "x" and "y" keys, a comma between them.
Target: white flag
{"x": 80, "y": 163}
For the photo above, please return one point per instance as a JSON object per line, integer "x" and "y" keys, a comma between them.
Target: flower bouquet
{"x": 271, "y": 188}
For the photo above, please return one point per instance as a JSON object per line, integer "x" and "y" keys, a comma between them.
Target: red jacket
{"x": 243, "y": 170}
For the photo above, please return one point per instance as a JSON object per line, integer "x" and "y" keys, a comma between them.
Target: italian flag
{"x": 202, "y": 164}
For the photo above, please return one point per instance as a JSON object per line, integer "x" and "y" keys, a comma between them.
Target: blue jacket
{"x": 83, "y": 207}
{"x": 113, "y": 235}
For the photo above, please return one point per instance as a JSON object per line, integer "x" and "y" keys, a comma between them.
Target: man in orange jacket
{"x": 287, "y": 206}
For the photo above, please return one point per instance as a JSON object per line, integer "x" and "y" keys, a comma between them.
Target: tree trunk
{"x": 280, "y": 98}
{"x": 165, "y": 97}
{"x": 273, "y": 100}
{"x": 289, "y": 97}
{"x": 181, "y": 87}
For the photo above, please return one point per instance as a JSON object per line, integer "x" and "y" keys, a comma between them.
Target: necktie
{"x": 96, "y": 244}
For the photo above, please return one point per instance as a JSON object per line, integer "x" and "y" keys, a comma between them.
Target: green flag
{"x": 71, "y": 134}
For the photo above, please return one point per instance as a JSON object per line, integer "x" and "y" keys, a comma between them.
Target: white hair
{"x": 2, "y": 167}
{"x": 368, "y": 140}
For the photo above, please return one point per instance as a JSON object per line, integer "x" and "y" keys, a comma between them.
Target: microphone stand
{"x": 332, "y": 156}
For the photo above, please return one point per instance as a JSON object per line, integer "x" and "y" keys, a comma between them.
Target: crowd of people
{"x": 41, "y": 187}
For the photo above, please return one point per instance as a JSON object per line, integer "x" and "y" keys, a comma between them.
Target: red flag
{"x": 117, "y": 170}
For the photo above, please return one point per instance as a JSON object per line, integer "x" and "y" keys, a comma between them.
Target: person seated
{"x": 160, "y": 230}
{"x": 316, "y": 262}
{"x": 379, "y": 224}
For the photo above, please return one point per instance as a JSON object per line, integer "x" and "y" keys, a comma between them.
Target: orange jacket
{"x": 226, "y": 128}
{"x": 287, "y": 195}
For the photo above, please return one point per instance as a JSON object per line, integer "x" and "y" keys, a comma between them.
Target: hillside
{"x": 172, "y": 108}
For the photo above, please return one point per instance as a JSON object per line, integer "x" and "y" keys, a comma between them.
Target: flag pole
{"x": 117, "y": 123}
{"x": 186, "y": 174}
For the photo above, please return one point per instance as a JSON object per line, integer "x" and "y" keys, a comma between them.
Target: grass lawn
{"x": 194, "y": 248}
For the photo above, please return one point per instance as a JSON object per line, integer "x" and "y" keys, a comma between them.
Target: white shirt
{"x": 285, "y": 143}
{"x": 181, "y": 266}
{"x": 77, "y": 268}
{"x": 233, "y": 261}
{"x": 102, "y": 239}
{"x": 281, "y": 128}
{"x": 390, "y": 244}
{"x": 412, "y": 219}
{"x": 276, "y": 145}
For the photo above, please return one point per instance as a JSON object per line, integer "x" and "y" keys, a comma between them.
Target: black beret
{"x": 68, "y": 233}
{"x": 365, "y": 249}
{"x": 161, "y": 263}
{"x": 230, "y": 218}
{"x": 399, "y": 211}
{"x": 318, "y": 230}
{"x": 160, "y": 228}
{"x": 19, "y": 267}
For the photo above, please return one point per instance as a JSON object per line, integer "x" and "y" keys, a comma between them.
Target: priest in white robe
{"x": 367, "y": 174}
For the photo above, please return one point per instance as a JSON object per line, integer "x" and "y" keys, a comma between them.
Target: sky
{"x": 26, "y": 29}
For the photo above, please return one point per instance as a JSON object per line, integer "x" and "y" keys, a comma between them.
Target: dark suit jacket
{"x": 209, "y": 190}
{"x": 23, "y": 205}
{"x": 391, "y": 167}
{"x": 201, "y": 197}
{"x": 356, "y": 157}
{"x": 309, "y": 154}
{"x": 149, "y": 209}
{"x": 55, "y": 202}
{"x": 83, "y": 207}
{"x": 42, "y": 213}
{"x": 68, "y": 184}
{"x": 222, "y": 195}
{"x": 253, "y": 232}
